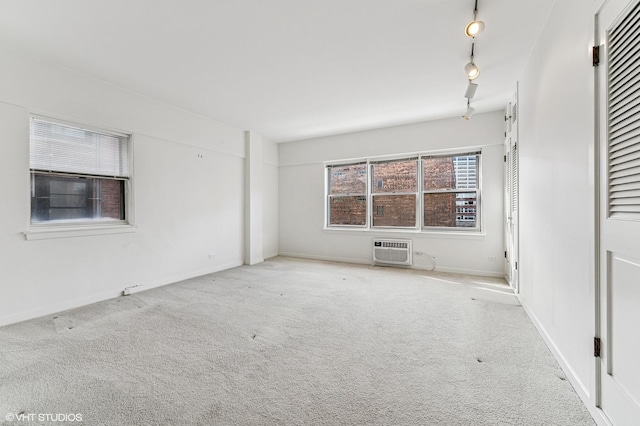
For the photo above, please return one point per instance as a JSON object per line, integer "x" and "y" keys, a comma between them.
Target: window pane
{"x": 111, "y": 199}
{"x": 439, "y": 173}
{"x": 348, "y": 210}
{"x": 451, "y": 209}
{"x": 81, "y": 199}
{"x": 394, "y": 210}
{"x": 466, "y": 167}
{"x": 395, "y": 176}
{"x": 350, "y": 179}
{"x": 456, "y": 172}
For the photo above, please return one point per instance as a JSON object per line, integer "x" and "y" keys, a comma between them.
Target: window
{"x": 347, "y": 194}
{"x": 77, "y": 175}
{"x": 394, "y": 198}
{"x": 420, "y": 192}
{"x": 450, "y": 191}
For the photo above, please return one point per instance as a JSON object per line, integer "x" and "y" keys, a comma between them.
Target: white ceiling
{"x": 287, "y": 69}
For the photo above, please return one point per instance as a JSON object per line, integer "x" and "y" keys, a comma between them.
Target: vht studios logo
{"x": 43, "y": 417}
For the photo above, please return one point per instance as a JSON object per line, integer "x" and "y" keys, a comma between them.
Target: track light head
{"x": 472, "y": 71}
{"x": 471, "y": 90}
{"x": 468, "y": 113}
{"x": 474, "y": 28}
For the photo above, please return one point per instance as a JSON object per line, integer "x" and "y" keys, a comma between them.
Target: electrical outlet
{"x": 212, "y": 256}
{"x": 493, "y": 259}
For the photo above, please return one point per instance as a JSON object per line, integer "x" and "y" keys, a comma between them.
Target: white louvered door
{"x": 511, "y": 191}
{"x": 618, "y": 32}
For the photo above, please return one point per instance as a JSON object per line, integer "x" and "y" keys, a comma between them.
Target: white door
{"x": 511, "y": 191}
{"x": 618, "y": 77}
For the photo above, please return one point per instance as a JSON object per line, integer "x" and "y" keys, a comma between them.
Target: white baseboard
{"x": 325, "y": 258}
{"x": 181, "y": 277}
{"x": 583, "y": 392}
{"x": 135, "y": 288}
{"x": 369, "y": 262}
{"x": 48, "y": 310}
{"x": 467, "y": 272}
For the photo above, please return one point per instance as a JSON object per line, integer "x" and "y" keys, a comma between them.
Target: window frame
{"x": 71, "y": 228}
{"x": 328, "y": 195}
{"x": 420, "y": 226}
{"x": 477, "y": 191}
{"x": 371, "y": 195}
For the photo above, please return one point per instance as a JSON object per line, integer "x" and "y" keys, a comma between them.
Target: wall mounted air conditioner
{"x": 392, "y": 252}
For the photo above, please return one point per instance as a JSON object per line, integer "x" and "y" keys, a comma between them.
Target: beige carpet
{"x": 290, "y": 342}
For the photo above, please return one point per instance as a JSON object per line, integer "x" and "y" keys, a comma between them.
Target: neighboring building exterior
{"x": 394, "y": 192}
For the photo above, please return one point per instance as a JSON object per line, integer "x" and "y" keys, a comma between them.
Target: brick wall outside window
{"x": 452, "y": 204}
{"x": 348, "y": 184}
{"x": 395, "y": 177}
{"x": 111, "y": 192}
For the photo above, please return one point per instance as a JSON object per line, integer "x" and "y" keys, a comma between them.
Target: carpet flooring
{"x": 290, "y": 342}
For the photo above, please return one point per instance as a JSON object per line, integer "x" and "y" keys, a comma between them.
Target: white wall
{"x": 302, "y": 185}
{"x": 188, "y": 181}
{"x": 557, "y": 190}
{"x": 253, "y": 203}
{"x": 269, "y": 199}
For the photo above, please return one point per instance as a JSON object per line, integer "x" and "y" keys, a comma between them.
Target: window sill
{"x": 50, "y": 232}
{"x": 416, "y": 232}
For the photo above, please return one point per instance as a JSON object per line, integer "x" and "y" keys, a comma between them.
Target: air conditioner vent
{"x": 392, "y": 252}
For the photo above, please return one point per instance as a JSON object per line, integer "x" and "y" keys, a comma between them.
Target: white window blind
{"x": 624, "y": 118}
{"x": 56, "y": 147}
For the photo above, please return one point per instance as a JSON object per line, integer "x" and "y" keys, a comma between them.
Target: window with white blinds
{"x": 77, "y": 175}
{"x": 56, "y": 147}
{"x": 624, "y": 117}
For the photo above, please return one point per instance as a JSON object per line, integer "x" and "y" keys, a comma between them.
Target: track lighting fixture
{"x": 470, "y": 111}
{"x": 474, "y": 27}
{"x": 471, "y": 90}
{"x": 472, "y": 70}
